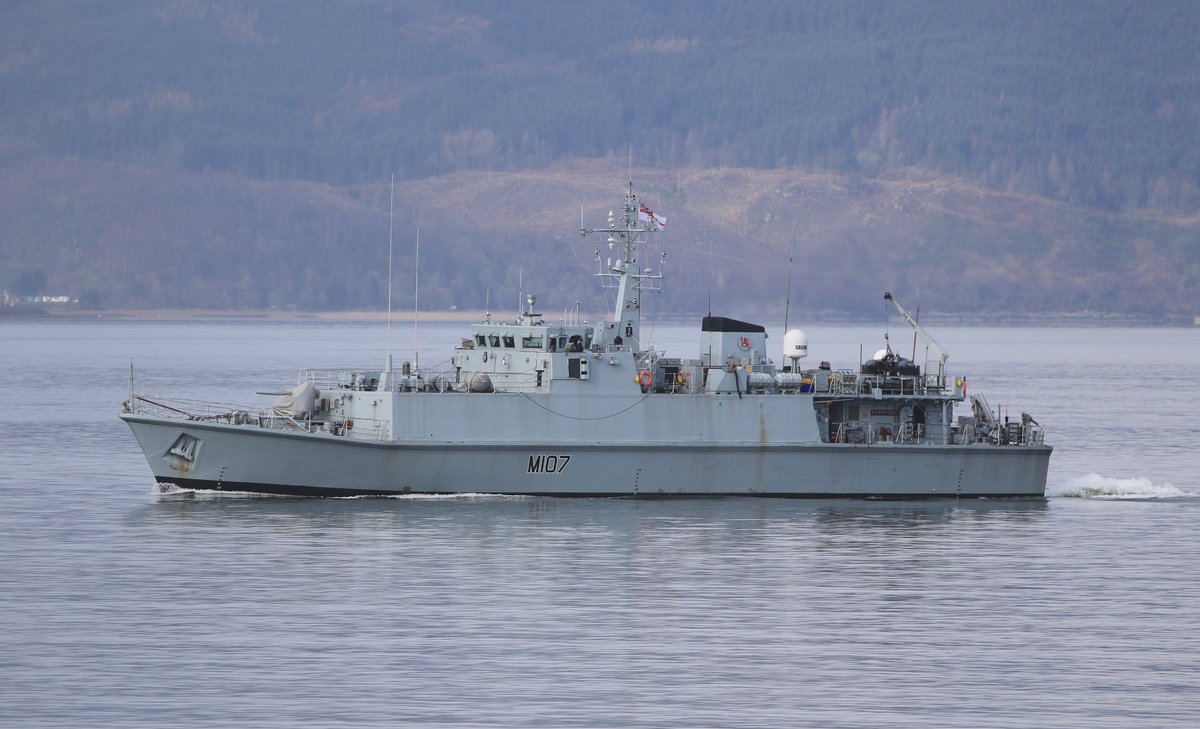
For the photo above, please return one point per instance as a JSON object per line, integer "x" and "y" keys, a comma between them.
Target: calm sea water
{"x": 123, "y": 607}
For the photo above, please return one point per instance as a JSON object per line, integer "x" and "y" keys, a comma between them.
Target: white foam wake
{"x": 1093, "y": 486}
{"x": 171, "y": 492}
{"x": 435, "y": 497}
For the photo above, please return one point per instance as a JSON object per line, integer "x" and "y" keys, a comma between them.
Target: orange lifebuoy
{"x": 645, "y": 379}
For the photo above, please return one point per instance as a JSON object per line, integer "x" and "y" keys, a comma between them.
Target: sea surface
{"x": 122, "y": 606}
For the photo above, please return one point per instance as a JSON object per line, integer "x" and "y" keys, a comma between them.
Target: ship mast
{"x": 622, "y": 270}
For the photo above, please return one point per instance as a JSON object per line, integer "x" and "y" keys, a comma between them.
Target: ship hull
{"x": 240, "y": 458}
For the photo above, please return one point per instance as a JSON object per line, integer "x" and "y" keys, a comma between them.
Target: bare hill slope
{"x": 126, "y": 236}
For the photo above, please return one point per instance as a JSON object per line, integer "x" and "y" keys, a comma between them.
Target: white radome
{"x": 795, "y": 344}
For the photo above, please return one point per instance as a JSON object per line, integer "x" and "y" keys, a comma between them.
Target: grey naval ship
{"x": 533, "y": 407}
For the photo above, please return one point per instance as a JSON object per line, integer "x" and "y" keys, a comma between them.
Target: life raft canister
{"x": 645, "y": 379}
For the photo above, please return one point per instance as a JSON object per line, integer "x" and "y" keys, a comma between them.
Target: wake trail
{"x": 1095, "y": 486}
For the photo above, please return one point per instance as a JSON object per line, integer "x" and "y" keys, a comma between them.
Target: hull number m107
{"x": 548, "y": 464}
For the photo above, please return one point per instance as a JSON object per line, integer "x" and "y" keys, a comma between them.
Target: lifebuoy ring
{"x": 645, "y": 379}
{"x": 485, "y": 356}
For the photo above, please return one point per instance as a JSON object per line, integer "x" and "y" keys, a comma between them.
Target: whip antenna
{"x": 787, "y": 302}
{"x": 416, "y": 298}
{"x": 710, "y": 276}
{"x": 391, "y": 218}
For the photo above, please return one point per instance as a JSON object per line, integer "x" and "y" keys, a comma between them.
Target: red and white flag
{"x": 646, "y": 215}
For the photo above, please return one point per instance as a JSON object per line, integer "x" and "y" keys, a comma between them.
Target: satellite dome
{"x": 795, "y": 344}
{"x": 880, "y": 354}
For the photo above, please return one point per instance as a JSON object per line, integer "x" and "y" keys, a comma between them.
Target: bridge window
{"x": 531, "y": 342}
{"x": 509, "y": 342}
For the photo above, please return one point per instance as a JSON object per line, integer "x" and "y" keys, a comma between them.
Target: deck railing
{"x": 196, "y": 410}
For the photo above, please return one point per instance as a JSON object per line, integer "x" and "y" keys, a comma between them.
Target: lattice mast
{"x": 621, "y": 269}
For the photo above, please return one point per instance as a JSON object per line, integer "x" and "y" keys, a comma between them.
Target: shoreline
{"x": 398, "y": 317}
{"x": 472, "y": 316}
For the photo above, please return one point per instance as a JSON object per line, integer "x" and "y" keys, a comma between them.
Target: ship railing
{"x": 1017, "y": 433}
{"x": 440, "y": 377}
{"x": 854, "y": 431}
{"x": 890, "y": 384}
{"x": 646, "y": 360}
{"x": 849, "y": 382}
{"x": 432, "y": 375}
{"x": 370, "y": 380}
{"x": 325, "y": 379}
{"x": 843, "y": 382}
{"x": 1012, "y": 434}
{"x": 195, "y": 410}
{"x": 907, "y": 433}
{"x": 867, "y": 432}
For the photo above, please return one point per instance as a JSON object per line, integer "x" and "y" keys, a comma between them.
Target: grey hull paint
{"x": 236, "y": 458}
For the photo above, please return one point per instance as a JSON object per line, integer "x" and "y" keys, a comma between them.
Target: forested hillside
{"x": 234, "y": 153}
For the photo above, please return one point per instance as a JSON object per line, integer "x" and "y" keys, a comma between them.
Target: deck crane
{"x": 940, "y": 372}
